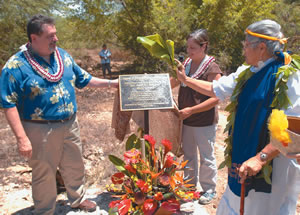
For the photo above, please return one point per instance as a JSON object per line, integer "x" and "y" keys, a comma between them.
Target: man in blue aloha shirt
{"x": 105, "y": 60}
{"x": 37, "y": 87}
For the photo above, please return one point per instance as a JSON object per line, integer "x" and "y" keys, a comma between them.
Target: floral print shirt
{"x": 35, "y": 97}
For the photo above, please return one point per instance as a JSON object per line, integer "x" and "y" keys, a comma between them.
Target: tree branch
{"x": 129, "y": 14}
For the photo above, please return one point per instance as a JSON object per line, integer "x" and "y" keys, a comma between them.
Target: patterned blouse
{"x": 35, "y": 97}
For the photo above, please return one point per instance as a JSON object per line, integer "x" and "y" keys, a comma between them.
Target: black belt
{"x": 48, "y": 121}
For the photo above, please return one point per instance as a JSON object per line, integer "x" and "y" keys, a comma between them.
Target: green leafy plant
{"x": 160, "y": 48}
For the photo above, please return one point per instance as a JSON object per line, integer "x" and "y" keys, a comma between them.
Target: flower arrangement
{"x": 149, "y": 179}
{"x": 278, "y": 125}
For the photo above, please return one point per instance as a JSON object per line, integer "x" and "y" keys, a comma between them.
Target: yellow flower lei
{"x": 278, "y": 125}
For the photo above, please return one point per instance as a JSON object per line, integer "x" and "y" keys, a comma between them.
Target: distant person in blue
{"x": 105, "y": 60}
{"x": 37, "y": 87}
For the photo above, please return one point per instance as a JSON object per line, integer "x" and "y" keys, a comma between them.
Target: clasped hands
{"x": 185, "y": 113}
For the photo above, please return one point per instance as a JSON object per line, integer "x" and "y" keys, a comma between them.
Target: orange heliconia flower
{"x": 183, "y": 164}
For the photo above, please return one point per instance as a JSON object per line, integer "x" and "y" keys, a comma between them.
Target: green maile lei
{"x": 280, "y": 101}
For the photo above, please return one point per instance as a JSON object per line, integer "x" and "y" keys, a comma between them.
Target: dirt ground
{"x": 94, "y": 115}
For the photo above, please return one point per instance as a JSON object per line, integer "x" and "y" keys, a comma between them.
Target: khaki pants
{"x": 55, "y": 145}
{"x": 202, "y": 139}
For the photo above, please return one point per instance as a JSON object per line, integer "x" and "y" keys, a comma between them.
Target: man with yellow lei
{"x": 272, "y": 181}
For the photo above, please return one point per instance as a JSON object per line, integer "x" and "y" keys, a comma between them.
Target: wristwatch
{"x": 263, "y": 156}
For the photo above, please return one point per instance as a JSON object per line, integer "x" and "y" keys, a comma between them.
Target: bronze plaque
{"x": 145, "y": 92}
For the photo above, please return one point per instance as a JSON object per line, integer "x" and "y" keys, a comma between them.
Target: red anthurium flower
{"x": 132, "y": 156}
{"x": 118, "y": 178}
{"x": 149, "y": 207}
{"x": 150, "y": 139}
{"x": 169, "y": 161}
{"x": 114, "y": 203}
{"x": 124, "y": 206}
{"x": 158, "y": 196}
{"x": 130, "y": 168}
{"x": 142, "y": 185}
{"x": 164, "y": 179}
{"x": 171, "y": 205}
{"x": 167, "y": 144}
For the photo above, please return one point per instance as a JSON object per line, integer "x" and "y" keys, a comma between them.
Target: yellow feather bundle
{"x": 278, "y": 125}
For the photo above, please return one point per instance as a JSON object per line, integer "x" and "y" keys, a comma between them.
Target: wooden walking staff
{"x": 242, "y": 202}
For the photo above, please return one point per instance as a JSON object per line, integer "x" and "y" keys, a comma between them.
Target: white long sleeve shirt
{"x": 224, "y": 87}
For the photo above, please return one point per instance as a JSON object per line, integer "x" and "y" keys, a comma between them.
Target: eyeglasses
{"x": 246, "y": 44}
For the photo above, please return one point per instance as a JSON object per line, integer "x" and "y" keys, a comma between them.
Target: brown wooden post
{"x": 146, "y": 121}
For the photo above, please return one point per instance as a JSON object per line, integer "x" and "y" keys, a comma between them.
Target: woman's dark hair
{"x": 35, "y": 24}
{"x": 200, "y": 37}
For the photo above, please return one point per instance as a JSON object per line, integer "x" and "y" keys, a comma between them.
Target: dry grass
{"x": 94, "y": 115}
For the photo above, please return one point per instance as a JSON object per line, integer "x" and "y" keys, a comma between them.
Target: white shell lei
{"x": 201, "y": 69}
{"x": 41, "y": 71}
